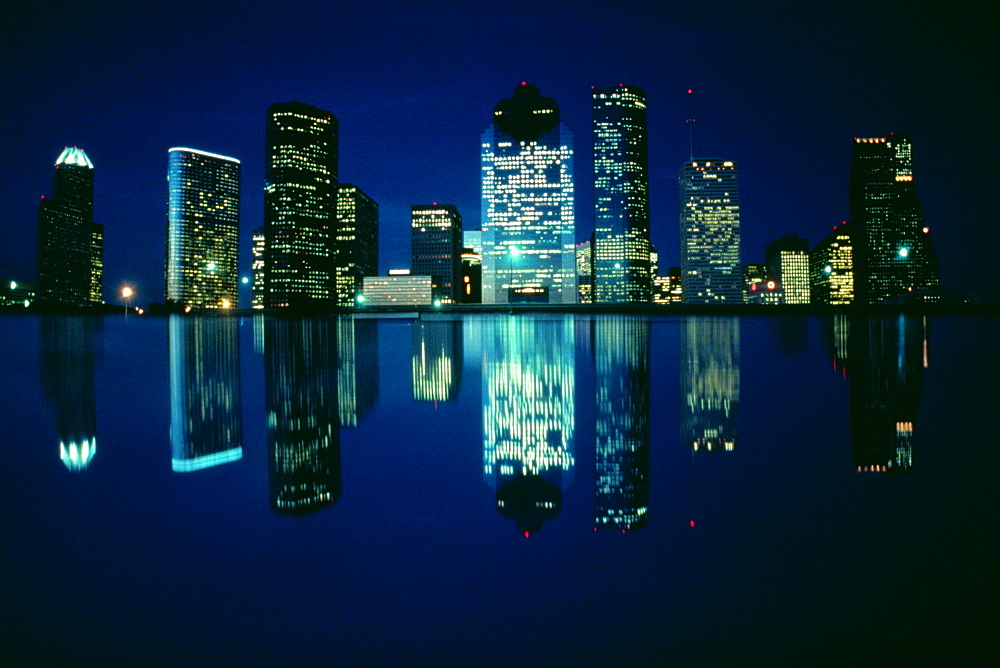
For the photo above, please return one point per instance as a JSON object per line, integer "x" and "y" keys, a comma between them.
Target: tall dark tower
{"x": 70, "y": 244}
{"x": 355, "y": 241}
{"x": 893, "y": 254}
{"x": 621, "y": 196}
{"x": 436, "y": 246}
{"x": 300, "y": 205}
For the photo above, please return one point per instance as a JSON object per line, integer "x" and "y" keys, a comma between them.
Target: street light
{"x": 127, "y": 294}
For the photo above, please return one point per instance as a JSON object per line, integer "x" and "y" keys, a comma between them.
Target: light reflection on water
{"x": 428, "y": 448}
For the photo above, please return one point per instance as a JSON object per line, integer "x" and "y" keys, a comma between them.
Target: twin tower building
{"x": 320, "y": 236}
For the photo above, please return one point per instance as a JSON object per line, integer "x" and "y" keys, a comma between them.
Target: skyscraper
{"x": 788, "y": 264}
{"x": 621, "y": 196}
{"x": 257, "y": 267}
{"x": 355, "y": 241}
{"x": 436, "y": 246}
{"x": 203, "y": 228}
{"x": 70, "y": 243}
{"x": 831, "y": 268}
{"x": 527, "y": 215}
{"x": 585, "y": 271}
{"x": 893, "y": 253}
{"x": 710, "y": 232}
{"x": 300, "y": 205}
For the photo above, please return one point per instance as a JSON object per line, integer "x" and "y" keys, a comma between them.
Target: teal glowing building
{"x": 527, "y": 203}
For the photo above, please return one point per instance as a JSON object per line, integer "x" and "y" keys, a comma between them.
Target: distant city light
{"x": 211, "y": 266}
{"x": 126, "y": 292}
{"x": 13, "y": 285}
{"x": 828, "y": 269}
{"x": 360, "y": 299}
{"x": 904, "y": 251}
{"x": 245, "y": 280}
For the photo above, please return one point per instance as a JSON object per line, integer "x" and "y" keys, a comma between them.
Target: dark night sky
{"x": 781, "y": 87}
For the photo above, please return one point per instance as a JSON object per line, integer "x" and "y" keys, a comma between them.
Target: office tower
{"x": 355, "y": 241}
{"x": 398, "y": 288}
{"x": 203, "y": 229}
{"x": 470, "y": 289}
{"x": 527, "y": 215}
{"x": 621, "y": 422}
{"x": 206, "y": 409}
{"x": 68, "y": 347}
{"x": 303, "y": 432}
{"x": 788, "y": 264}
{"x": 70, "y": 243}
{"x": 257, "y": 267}
{"x": 888, "y": 357}
{"x": 710, "y": 232}
{"x": 436, "y": 361}
{"x": 831, "y": 268}
{"x": 621, "y": 196}
{"x": 585, "y": 271}
{"x": 769, "y": 292}
{"x": 753, "y": 272}
{"x": 357, "y": 369}
{"x": 893, "y": 254}
{"x": 667, "y": 288}
{"x": 300, "y": 206}
{"x": 436, "y": 247}
{"x": 528, "y": 416}
{"x": 710, "y": 382}
{"x": 473, "y": 239}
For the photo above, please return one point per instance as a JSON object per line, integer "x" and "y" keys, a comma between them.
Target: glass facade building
{"x": 527, "y": 202}
{"x": 257, "y": 267}
{"x": 300, "y": 205}
{"x": 788, "y": 264}
{"x": 203, "y": 229}
{"x": 436, "y": 246}
{"x": 893, "y": 254}
{"x": 355, "y": 241}
{"x": 710, "y": 232}
{"x": 70, "y": 243}
{"x": 621, "y": 196}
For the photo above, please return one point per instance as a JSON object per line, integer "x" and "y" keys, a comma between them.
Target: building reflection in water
{"x": 303, "y": 431}
{"x": 68, "y": 386}
{"x": 528, "y": 415}
{"x": 887, "y": 356}
{"x": 437, "y": 360}
{"x": 710, "y": 382}
{"x": 357, "y": 369}
{"x": 206, "y": 426}
{"x": 621, "y": 362}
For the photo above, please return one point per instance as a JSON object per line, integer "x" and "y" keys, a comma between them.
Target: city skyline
{"x": 751, "y": 100}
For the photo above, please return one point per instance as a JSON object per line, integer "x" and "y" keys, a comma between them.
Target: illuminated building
{"x": 621, "y": 196}
{"x": 710, "y": 382}
{"x": 68, "y": 387}
{"x": 621, "y": 415}
{"x": 357, "y": 369}
{"x": 831, "y": 268}
{"x": 203, "y": 229}
{"x": 788, "y": 264}
{"x": 355, "y": 241}
{"x": 527, "y": 216}
{"x": 257, "y": 267}
{"x": 303, "y": 432}
{"x": 436, "y": 247}
{"x": 710, "y": 232}
{"x": 70, "y": 243}
{"x": 473, "y": 239}
{"x": 528, "y": 415}
{"x": 887, "y": 356}
{"x": 753, "y": 272}
{"x": 300, "y": 205}
{"x": 893, "y": 254}
{"x": 668, "y": 289}
{"x": 398, "y": 289}
{"x": 206, "y": 409}
{"x": 470, "y": 289}
{"x": 585, "y": 271}
{"x": 767, "y": 292}
{"x": 437, "y": 360}
{"x": 16, "y": 293}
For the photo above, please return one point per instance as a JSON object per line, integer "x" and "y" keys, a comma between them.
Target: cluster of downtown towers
{"x": 320, "y": 237}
